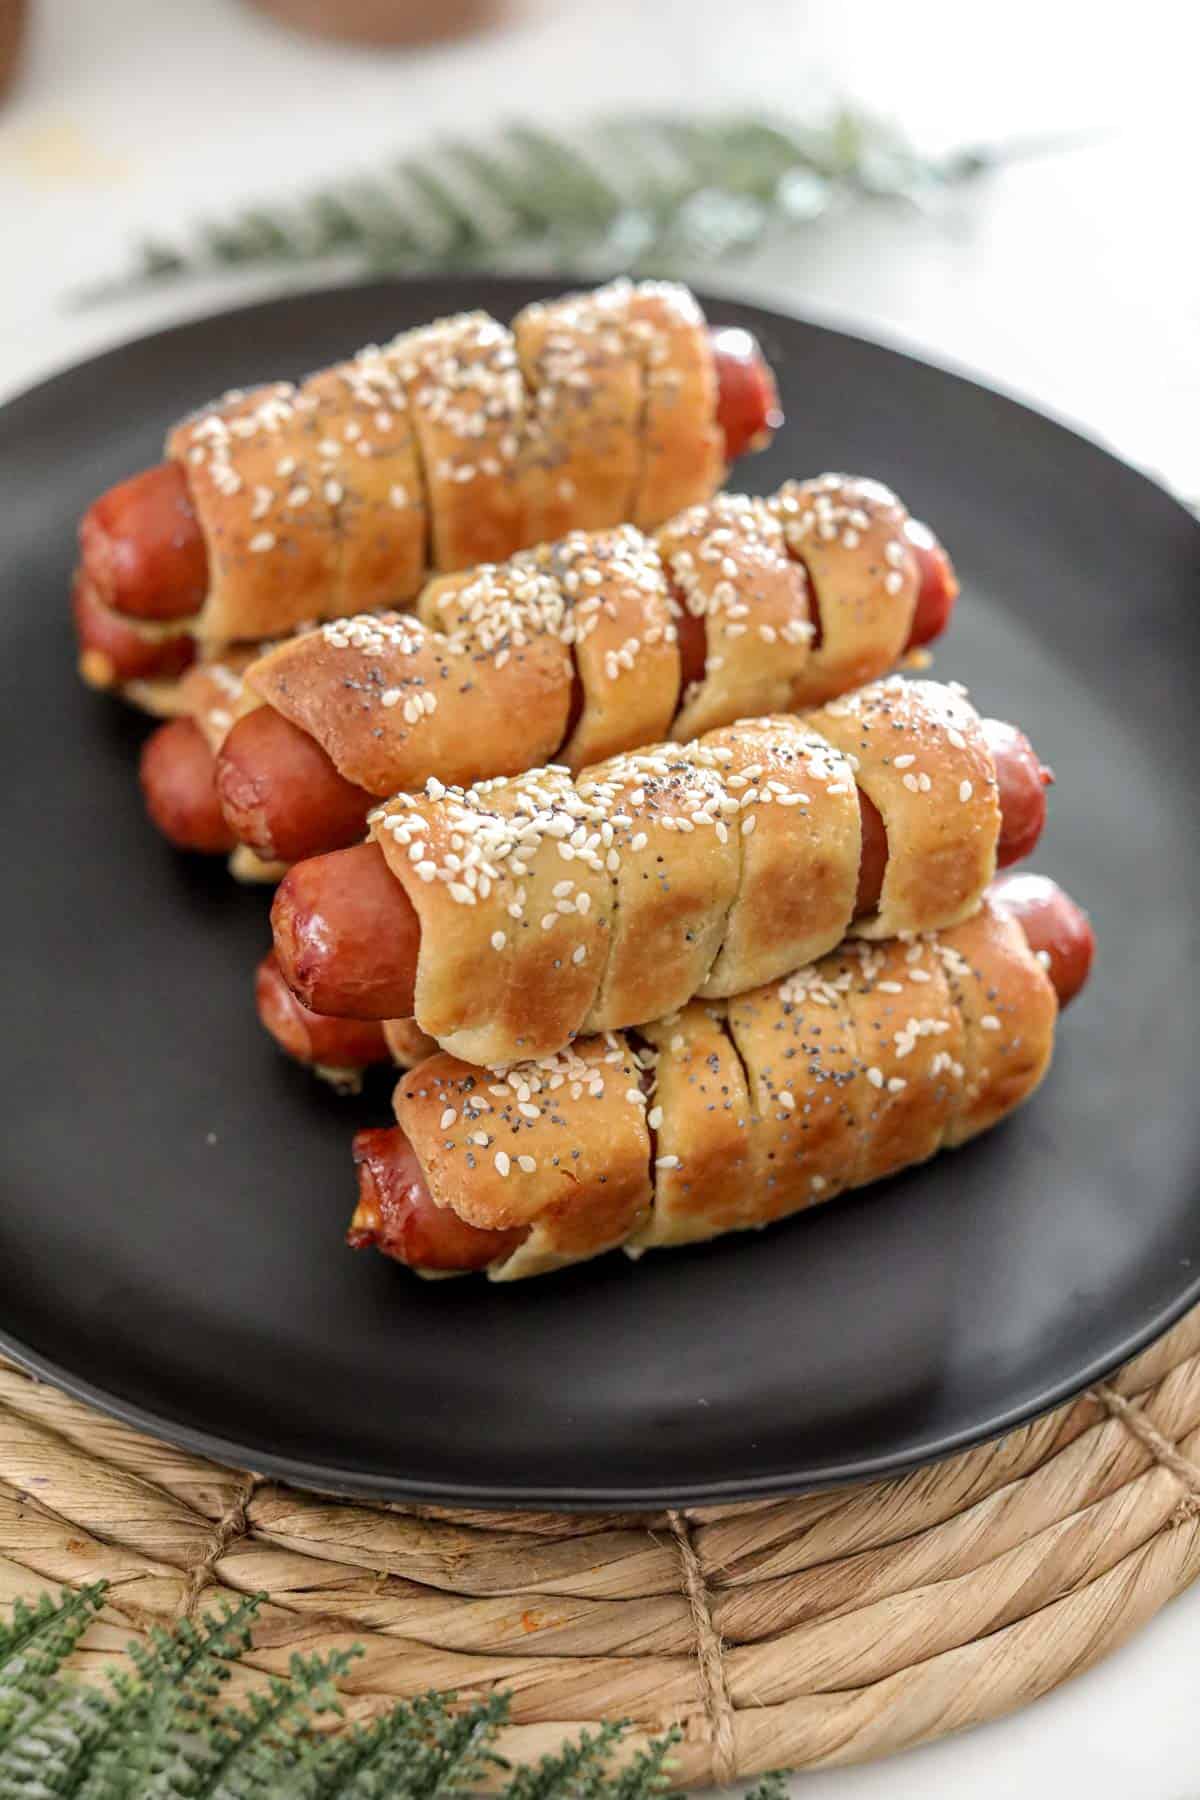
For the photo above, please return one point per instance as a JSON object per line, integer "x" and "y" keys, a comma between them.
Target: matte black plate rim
{"x": 331, "y": 1479}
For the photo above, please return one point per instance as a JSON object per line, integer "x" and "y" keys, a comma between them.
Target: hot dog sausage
{"x": 347, "y": 935}
{"x": 280, "y": 792}
{"x": 141, "y": 546}
{"x": 1057, "y": 929}
{"x": 345, "y": 944}
{"x": 111, "y": 652}
{"x": 344, "y": 1044}
{"x": 396, "y": 1214}
{"x": 939, "y": 585}
{"x": 747, "y": 399}
{"x": 1023, "y": 783}
{"x": 144, "y": 554}
{"x": 178, "y": 776}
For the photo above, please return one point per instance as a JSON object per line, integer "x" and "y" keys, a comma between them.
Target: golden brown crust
{"x": 706, "y": 1175}
{"x": 257, "y": 478}
{"x": 247, "y": 865}
{"x": 799, "y": 835}
{"x": 580, "y": 454}
{"x": 561, "y": 1146}
{"x": 513, "y": 931}
{"x": 454, "y": 444}
{"x": 624, "y": 642}
{"x": 487, "y": 688}
{"x": 550, "y": 906}
{"x": 843, "y": 1073}
{"x": 909, "y": 1040}
{"x": 849, "y": 534}
{"x": 407, "y": 1044}
{"x": 681, "y": 451}
{"x": 1008, "y": 1008}
{"x": 671, "y": 887}
{"x": 391, "y": 702}
{"x": 159, "y": 698}
{"x": 214, "y": 694}
{"x": 467, "y": 401}
{"x": 797, "y": 1041}
{"x": 372, "y": 469}
{"x": 919, "y": 753}
{"x": 730, "y": 567}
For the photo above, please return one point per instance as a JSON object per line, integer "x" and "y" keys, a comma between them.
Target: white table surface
{"x": 1073, "y": 280}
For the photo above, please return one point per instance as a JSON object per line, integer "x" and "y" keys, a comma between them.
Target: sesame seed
{"x": 527, "y": 1164}
{"x": 448, "y": 1118}
{"x": 654, "y": 1117}
{"x": 818, "y": 1184}
{"x": 579, "y": 953}
{"x": 786, "y": 1099}
{"x": 498, "y": 940}
{"x": 897, "y": 1084}
{"x": 990, "y": 1022}
{"x": 875, "y": 1076}
{"x": 261, "y": 541}
{"x": 503, "y": 1165}
{"x": 965, "y": 790}
{"x": 667, "y": 1162}
{"x": 748, "y": 824}
{"x": 903, "y": 762}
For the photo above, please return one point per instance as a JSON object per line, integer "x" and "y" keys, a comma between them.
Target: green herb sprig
{"x": 161, "y": 1733}
{"x": 636, "y": 193}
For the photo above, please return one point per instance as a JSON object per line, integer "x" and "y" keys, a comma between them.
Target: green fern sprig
{"x": 157, "y": 1732}
{"x": 638, "y": 193}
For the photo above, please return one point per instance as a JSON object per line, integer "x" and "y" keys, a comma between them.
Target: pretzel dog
{"x": 510, "y": 916}
{"x": 726, "y": 1116}
{"x": 454, "y": 444}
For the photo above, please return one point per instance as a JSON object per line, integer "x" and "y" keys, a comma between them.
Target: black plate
{"x": 174, "y": 1193}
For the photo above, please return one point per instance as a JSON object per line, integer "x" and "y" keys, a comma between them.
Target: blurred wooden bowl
{"x": 13, "y": 17}
{"x": 384, "y": 21}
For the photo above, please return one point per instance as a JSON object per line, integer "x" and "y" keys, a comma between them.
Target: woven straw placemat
{"x": 826, "y": 1629}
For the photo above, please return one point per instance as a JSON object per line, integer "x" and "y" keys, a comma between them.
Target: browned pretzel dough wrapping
{"x": 731, "y": 1115}
{"x": 454, "y": 444}
{"x": 550, "y": 906}
{"x": 481, "y": 682}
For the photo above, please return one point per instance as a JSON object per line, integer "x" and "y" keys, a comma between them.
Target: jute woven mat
{"x": 827, "y": 1629}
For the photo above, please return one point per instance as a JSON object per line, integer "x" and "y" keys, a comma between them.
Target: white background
{"x": 1073, "y": 279}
